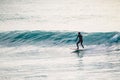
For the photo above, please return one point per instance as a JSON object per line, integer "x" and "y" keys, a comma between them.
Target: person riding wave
{"x": 80, "y": 40}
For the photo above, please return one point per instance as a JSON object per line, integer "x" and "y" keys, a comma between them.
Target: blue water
{"x": 56, "y": 38}
{"x": 51, "y": 55}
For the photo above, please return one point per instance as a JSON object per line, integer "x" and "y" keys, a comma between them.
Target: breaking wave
{"x": 16, "y": 38}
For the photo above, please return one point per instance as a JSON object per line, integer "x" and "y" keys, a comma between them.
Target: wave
{"x": 16, "y": 38}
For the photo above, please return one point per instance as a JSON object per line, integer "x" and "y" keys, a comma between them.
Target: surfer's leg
{"x": 82, "y": 45}
{"x": 77, "y": 44}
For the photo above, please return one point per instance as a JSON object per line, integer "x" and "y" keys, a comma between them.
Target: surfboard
{"x": 74, "y": 50}
{"x": 77, "y": 50}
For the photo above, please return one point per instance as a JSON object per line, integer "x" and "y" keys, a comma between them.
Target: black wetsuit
{"x": 79, "y": 41}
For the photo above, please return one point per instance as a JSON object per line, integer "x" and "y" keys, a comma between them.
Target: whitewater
{"x": 51, "y": 55}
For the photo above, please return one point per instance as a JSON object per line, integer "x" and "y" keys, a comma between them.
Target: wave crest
{"x": 13, "y": 38}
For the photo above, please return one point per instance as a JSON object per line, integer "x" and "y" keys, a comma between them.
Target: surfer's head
{"x": 78, "y": 32}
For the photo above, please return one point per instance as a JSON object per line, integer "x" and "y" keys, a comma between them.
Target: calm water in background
{"x": 82, "y": 15}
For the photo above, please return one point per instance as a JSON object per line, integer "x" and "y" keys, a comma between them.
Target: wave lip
{"x": 14, "y": 38}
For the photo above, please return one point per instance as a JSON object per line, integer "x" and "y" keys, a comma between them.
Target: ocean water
{"x": 75, "y": 15}
{"x": 51, "y": 55}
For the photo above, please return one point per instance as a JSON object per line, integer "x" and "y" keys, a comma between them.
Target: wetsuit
{"x": 79, "y": 41}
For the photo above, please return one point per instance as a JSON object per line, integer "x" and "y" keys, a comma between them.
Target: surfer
{"x": 80, "y": 40}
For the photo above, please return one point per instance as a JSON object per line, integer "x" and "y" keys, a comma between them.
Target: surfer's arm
{"x": 76, "y": 38}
